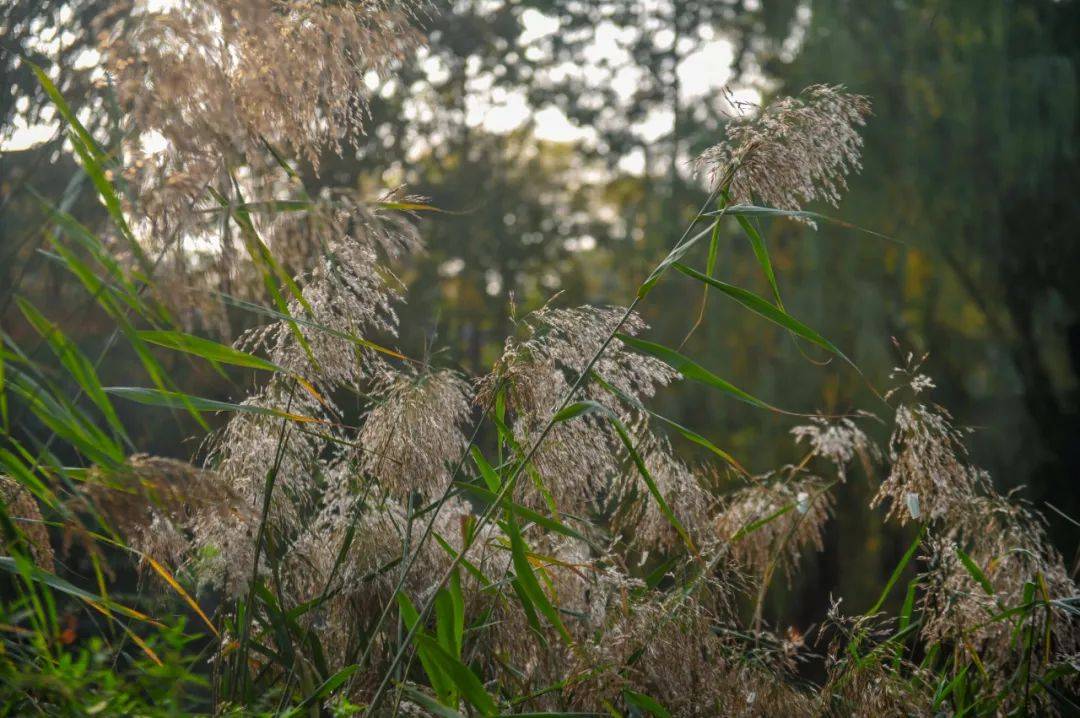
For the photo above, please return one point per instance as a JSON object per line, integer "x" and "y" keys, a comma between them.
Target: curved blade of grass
{"x": 760, "y": 249}
{"x": 646, "y": 703}
{"x": 100, "y": 290}
{"x": 710, "y": 267}
{"x": 518, "y": 510}
{"x": 457, "y": 615}
{"x": 77, "y": 128}
{"x": 905, "y": 620}
{"x": 492, "y": 479}
{"x": 975, "y": 571}
{"x": 143, "y": 645}
{"x": 466, "y": 563}
{"x": 73, "y": 229}
{"x": 55, "y": 582}
{"x": 258, "y": 250}
{"x": 277, "y": 621}
{"x": 177, "y": 400}
{"x": 77, "y": 364}
{"x": 175, "y": 586}
{"x": 51, "y": 405}
{"x": 15, "y": 468}
{"x": 444, "y": 623}
{"x": 749, "y": 210}
{"x": 92, "y": 162}
{"x": 527, "y": 579}
{"x": 207, "y": 349}
{"x": 755, "y": 525}
{"x": 440, "y": 681}
{"x": 687, "y": 433}
{"x": 432, "y": 706}
{"x": 411, "y": 207}
{"x": 268, "y": 267}
{"x": 898, "y": 571}
{"x": 761, "y": 252}
{"x": 692, "y": 370}
{"x": 508, "y": 441}
{"x": 327, "y": 687}
{"x": 701, "y": 441}
{"x": 461, "y": 675}
{"x": 767, "y": 310}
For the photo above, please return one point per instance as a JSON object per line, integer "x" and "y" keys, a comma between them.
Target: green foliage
{"x": 101, "y": 676}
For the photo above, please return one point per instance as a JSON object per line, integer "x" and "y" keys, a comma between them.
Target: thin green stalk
{"x": 260, "y": 537}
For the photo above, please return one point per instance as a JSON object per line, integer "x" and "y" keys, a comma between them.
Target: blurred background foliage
{"x": 970, "y": 165}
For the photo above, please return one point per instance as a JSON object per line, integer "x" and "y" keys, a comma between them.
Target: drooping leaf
{"x": 759, "y": 523}
{"x": 93, "y": 160}
{"x": 434, "y": 707}
{"x": 101, "y": 292}
{"x": 469, "y": 566}
{"x": 493, "y": 481}
{"x": 529, "y": 585}
{"x": 767, "y": 310}
{"x": 463, "y": 678}
{"x": 327, "y": 687}
{"x": 77, "y": 364}
{"x": 898, "y": 571}
{"x": 52, "y": 406}
{"x": 702, "y": 441}
{"x": 761, "y": 252}
{"x": 177, "y": 400}
{"x": 692, "y": 370}
{"x": 689, "y": 434}
{"x": 457, "y": 605}
{"x": 975, "y": 571}
{"x": 444, "y": 622}
{"x": 440, "y": 681}
{"x": 646, "y": 703}
{"x": 15, "y": 467}
{"x": 748, "y": 210}
{"x": 207, "y": 349}
{"x": 8, "y": 563}
{"x": 905, "y": 619}
{"x": 523, "y": 512}
{"x": 175, "y": 585}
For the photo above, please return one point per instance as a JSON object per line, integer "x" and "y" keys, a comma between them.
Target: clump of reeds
{"x": 568, "y": 559}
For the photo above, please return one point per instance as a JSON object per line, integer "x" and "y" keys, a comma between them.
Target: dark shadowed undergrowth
{"x": 364, "y": 532}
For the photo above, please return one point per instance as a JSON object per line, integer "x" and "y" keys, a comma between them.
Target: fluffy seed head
{"x": 782, "y": 537}
{"x": 414, "y": 432}
{"x": 22, "y": 509}
{"x": 839, "y": 441}
{"x": 795, "y": 151}
{"x": 215, "y": 77}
